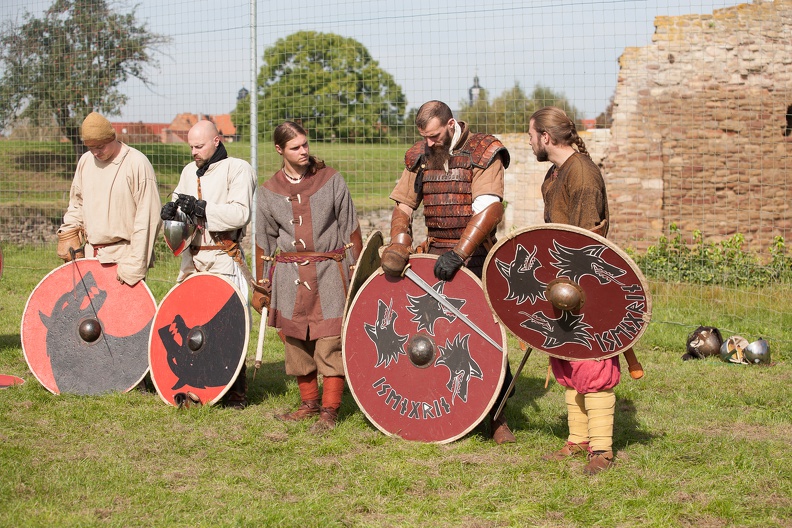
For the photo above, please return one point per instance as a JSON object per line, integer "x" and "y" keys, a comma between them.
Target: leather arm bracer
{"x": 395, "y": 256}
{"x": 478, "y": 229}
{"x": 401, "y": 228}
{"x": 71, "y": 242}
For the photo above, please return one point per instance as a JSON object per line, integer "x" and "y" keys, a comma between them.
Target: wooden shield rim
{"x": 579, "y": 230}
{"x": 22, "y": 323}
{"x": 242, "y": 358}
{"x": 368, "y": 246}
{"x": 495, "y": 393}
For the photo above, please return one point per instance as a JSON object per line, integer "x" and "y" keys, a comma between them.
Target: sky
{"x": 432, "y": 49}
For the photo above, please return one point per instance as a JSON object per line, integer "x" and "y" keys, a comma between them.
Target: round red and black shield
{"x": 83, "y": 332}
{"x": 616, "y": 303}
{"x": 367, "y": 263}
{"x": 199, "y": 339}
{"x": 416, "y": 370}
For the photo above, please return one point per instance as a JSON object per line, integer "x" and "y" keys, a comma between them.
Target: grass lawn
{"x": 698, "y": 444}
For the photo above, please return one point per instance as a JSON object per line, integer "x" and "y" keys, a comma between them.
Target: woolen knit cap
{"x": 97, "y": 129}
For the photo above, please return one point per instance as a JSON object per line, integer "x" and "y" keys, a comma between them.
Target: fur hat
{"x": 97, "y": 129}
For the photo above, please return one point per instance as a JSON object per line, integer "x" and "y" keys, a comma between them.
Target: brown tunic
{"x": 574, "y": 194}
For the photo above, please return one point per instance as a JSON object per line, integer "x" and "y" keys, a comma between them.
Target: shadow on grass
{"x": 10, "y": 341}
{"x": 271, "y": 379}
{"x": 627, "y": 429}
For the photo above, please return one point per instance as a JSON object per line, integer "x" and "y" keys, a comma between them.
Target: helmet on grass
{"x": 732, "y": 350}
{"x": 758, "y": 352}
{"x": 704, "y": 341}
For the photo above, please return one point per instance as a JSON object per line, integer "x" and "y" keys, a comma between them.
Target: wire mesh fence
{"x": 685, "y": 105}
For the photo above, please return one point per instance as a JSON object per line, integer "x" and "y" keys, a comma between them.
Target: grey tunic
{"x": 314, "y": 215}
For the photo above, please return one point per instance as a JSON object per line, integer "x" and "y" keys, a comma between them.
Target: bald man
{"x": 217, "y": 192}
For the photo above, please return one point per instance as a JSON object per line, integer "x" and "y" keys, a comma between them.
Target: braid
{"x": 581, "y": 146}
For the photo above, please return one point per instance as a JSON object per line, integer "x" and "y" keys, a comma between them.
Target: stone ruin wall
{"x": 698, "y": 128}
{"x": 697, "y": 136}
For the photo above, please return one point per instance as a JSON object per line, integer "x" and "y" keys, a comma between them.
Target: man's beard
{"x": 200, "y": 162}
{"x": 436, "y": 156}
{"x": 541, "y": 154}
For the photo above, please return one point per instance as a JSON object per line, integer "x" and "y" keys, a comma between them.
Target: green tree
{"x": 478, "y": 115}
{"x": 544, "y": 96}
{"x": 511, "y": 111}
{"x": 328, "y": 83}
{"x": 69, "y": 62}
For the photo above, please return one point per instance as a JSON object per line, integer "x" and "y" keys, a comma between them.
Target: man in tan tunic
{"x": 114, "y": 204}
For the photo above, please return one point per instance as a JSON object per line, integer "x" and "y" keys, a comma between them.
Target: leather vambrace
{"x": 71, "y": 242}
{"x": 401, "y": 228}
{"x": 395, "y": 256}
{"x": 478, "y": 229}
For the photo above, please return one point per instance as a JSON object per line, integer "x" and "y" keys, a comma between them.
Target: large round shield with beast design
{"x": 416, "y": 370}
{"x": 199, "y": 339}
{"x": 567, "y": 292}
{"x": 83, "y": 332}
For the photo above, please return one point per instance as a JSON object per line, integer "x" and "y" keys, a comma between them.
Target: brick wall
{"x": 697, "y": 136}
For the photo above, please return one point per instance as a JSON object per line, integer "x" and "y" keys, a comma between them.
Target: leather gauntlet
{"x": 262, "y": 294}
{"x": 395, "y": 256}
{"x": 71, "y": 239}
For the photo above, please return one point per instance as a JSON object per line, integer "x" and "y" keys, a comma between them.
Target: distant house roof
{"x": 224, "y": 124}
{"x": 174, "y": 132}
{"x": 139, "y": 132}
{"x": 182, "y": 124}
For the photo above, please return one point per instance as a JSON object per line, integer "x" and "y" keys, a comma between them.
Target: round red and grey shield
{"x": 8, "y": 380}
{"x": 83, "y": 332}
{"x": 416, "y": 370}
{"x": 612, "y": 305}
{"x": 199, "y": 339}
{"x": 367, "y": 263}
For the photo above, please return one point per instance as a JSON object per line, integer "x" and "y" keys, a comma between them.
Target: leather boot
{"x": 569, "y": 449}
{"x": 500, "y": 431}
{"x": 308, "y": 409}
{"x": 598, "y": 461}
{"x": 327, "y": 420}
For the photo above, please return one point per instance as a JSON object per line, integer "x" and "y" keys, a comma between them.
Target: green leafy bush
{"x": 726, "y": 262}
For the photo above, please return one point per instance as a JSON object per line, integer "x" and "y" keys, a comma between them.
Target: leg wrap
{"x": 600, "y": 407}
{"x": 576, "y": 417}
{"x": 309, "y": 387}
{"x": 332, "y": 391}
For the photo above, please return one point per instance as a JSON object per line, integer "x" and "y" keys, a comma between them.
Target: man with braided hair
{"x": 217, "y": 192}
{"x": 574, "y": 194}
{"x": 458, "y": 175}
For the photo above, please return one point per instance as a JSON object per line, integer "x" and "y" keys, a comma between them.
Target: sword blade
{"x": 410, "y": 274}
